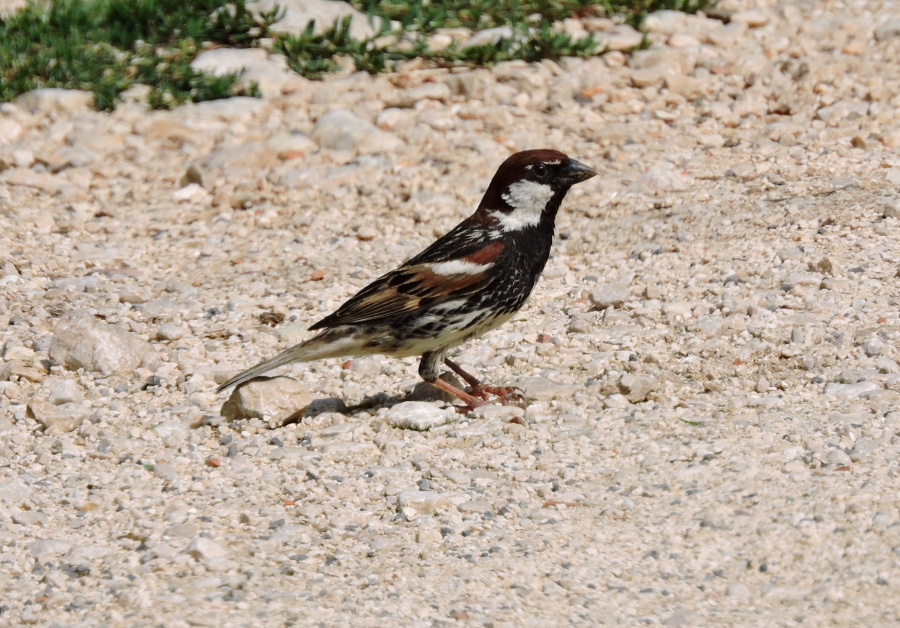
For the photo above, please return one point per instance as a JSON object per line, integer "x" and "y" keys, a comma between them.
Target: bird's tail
{"x": 328, "y": 344}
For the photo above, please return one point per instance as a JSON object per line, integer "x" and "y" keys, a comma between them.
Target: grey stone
{"x": 48, "y": 548}
{"x": 274, "y": 399}
{"x": 497, "y": 412}
{"x": 82, "y": 341}
{"x": 173, "y": 433}
{"x": 184, "y": 530}
{"x": 340, "y": 129}
{"x": 637, "y": 387}
{"x": 488, "y": 37}
{"x": 48, "y": 99}
{"x": 419, "y": 415}
{"x": 57, "y": 419}
{"x": 221, "y": 61}
{"x": 203, "y": 548}
{"x": 888, "y": 30}
{"x": 544, "y": 389}
{"x": 862, "y": 448}
{"x": 15, "y": 490}
{"x": 738, "y": 590}
{"x": 422, "y": 502}
{"x": 299, "y": 13}
{"x": 65, "y": 391}
{"x": 171, "y": 331}
{"x": 838, "y": 457}
{"x": 851, "y": 390}
{"x": 612, "y": 294}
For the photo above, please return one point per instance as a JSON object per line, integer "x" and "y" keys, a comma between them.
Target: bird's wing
{"x": 439, "y": 274}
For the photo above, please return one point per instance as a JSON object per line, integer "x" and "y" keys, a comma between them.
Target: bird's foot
{"x": 506, "y": 395}
{"x": 482, "y": 395}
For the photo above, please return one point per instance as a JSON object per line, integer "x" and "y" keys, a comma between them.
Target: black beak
{"x": 573, "y": 172}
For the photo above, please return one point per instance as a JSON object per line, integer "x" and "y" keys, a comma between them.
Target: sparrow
{"x": 470, "y": 281}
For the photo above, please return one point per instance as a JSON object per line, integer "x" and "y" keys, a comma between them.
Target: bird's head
{"x": 528, "y": 188}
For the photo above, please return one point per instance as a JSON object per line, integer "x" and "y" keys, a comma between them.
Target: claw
{"x": 506, "y": 395}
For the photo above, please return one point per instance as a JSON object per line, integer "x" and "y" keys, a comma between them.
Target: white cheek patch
{"x": 528, "y": 200}
{"x": 458, "y": 267}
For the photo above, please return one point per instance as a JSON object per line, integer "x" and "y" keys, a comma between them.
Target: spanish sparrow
{"x": 470, "y": 281}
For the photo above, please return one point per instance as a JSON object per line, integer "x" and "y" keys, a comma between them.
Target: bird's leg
{"x": 508, "y": 395}
{"x": 471, "y": 402}
{"x": 428, "y": 369}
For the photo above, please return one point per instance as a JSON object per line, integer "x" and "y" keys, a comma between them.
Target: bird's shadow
{"x": 422, "y": 391}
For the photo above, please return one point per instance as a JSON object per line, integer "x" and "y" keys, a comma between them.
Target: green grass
{"x": 107, "y": 46}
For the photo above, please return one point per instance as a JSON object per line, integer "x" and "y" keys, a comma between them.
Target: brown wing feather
{"x": 403, "y": 291}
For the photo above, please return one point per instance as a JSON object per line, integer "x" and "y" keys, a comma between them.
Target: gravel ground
{"x": 711, "y": 357}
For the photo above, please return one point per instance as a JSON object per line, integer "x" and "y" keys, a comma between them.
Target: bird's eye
{"x": 540, "y": 170}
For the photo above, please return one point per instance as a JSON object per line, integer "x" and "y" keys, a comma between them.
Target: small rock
{"x": 744, "y": 172}
{"x": 861, "y": 448}
{"x": 15, "y": 490}
{"x": 738, "y": 590}
{"x": 683, "y": 618}
{"x": 580, "y": 325}
{"x": 476, "y": 505}
{"x": 622, "y": 37}
{"x": 57, "y": 419}
{"x": 291, "y": 145}
{"x": 191, "y": 193}
{"x": 236, "y": 108}
{"x": 422, "y": 502}
{"x": 173, "y": 433}
{"x": 30, "y": 518}
{"x": 851, "y": 390}
{"x": 395, "y": 119}
{"x": 888, "y": 30}
{"x": 184, "y": 530}
{"x": 170, "y": 331}
{"x": 297, "y": 14}
{"x": 274, "y": 399}
{"x": 222, "y": 61}
{"x": 165, "y": 471}
{"x": 488, "y": 37}
{"x": 418, "y": 415}
{"x": 203, "y": 548}
{"x": 44, "y": 181}
{"x": 637, "y": 388}
{"x": 48, "y": 99}
{"x": 82, "y": 341}
{"x": 616, "y": 402}
{"x": 873, "y": 346}
{"x": 892, "y": 176}
{"x": 226, "y": 162}
{"x": 425, "y": 91}
{"x": 544, "y": 389}
{"x": 47, "y": 549}
{"x": 793, "y": 252}
{"x": 430, "y": 533}
{"x": 612, "y": 294}
{"x": 10, "y": 131}
{"x": 65, "y": 391}
{"x": 663, "y": 178}
{"x": 677, "y": 309}
{"x": 838, "y": 457}
{"x": 134, "y": 294}
{"x": 340, "y": 129}
{"x": 892, "y": 210}
{"x": 497, "y": 412}
{"x": 753, "y": 18}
